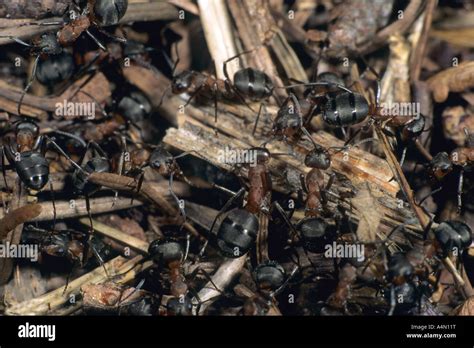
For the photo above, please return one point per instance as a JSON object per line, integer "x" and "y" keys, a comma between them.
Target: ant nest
{"x": 280, "y": 158}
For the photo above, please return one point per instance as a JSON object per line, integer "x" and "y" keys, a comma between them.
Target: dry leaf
{"x": 369, "y": 212}
{"x": 455, "y": 79}
{"x": 467, "y": 308}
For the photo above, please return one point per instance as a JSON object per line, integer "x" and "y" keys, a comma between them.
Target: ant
{"x": 248, "y": 83}
{"x": 271, "y": 279}
{"x": 96, "y": 13}
{"x": 160, "y": 160}
{"x": 42, "y": 47}
{"x": 27, "y": 154}
{"x": 443, "y": 163}
{"x": 66, "y": 249}
{"x": 238, "y": 231}
{"x": 168, "y": 253}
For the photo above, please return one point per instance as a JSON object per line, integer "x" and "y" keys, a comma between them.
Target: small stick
{"x": 117, "y": 235}
{"x": 222, "y": 278}
{"x": 77, "y": 208}
{"x": 125, "y": 270}
{"x": 150, "y": 192}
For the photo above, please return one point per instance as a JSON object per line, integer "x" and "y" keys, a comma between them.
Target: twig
{"x": 77, "y": 208}
{"x": 136, "y": 12}
{"x": 117, "y": 235}
{"x": 150, "y": 192}
{"x": 221, "y": 279}
{"x": 218, "y": 31}
{"x": 123, "y": 269}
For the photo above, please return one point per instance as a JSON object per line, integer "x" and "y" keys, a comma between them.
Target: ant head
{"x": 134, "y": 106}
{"x": 399, "y": 269}
{"x": 182, "y": 82}
{"x": 161, "y": 160}
{"x": 315, "y": 234}
{"x": 453, "y": 236}
{"x": 318, "y": 158}
{"x": 27, "y": 127}
{"x": 414, "y": 127}
{"x": 269, "y": 275}
{"x": 109, "y": 12}
{"x": 287, "y": 121}
{"x": 261, "y": 154}
{"x": 49, "y": 44}
{"x": 179, "y": 306}
{"x": 237, "y": 233}
{"x": 166, "y": 251}
{"x": 440, "y": 165}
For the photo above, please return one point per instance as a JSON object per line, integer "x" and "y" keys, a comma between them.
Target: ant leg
{"x": 258, "y": 117}
{"x": 219, "y": 214}
{"x": 324, "y": 191}
{"x": 68, "y": 277}
{"x": 393, "y": 302}
{"x": 139, "y": 186}
{"x": 78, "y": 139}
{"x": 402, "y": 159}
{"x": 17, "y": 40}
{"x": 96, "y": 102}
{"x": 178, "y": 201}
{"x": 111, "y": 36}
{"x": 285, "y": 218}
{"x": 54, "y": 204}
{"x": 28, "y": 85}
{"x": 4, "y": 171}
{"x": 99, "y": 258}
{"x": 91, "y": 229}
{"x": 285, "y": 284}
{"x": 195, "y": 94}
{"x": 98, "y": 43}
{"x": 216, "y": 97}
{"x": 460, "y": 187}
{"x": 167, "y": 89}
{"x": 61, "y": 151}
{"x": 188, "y": 244}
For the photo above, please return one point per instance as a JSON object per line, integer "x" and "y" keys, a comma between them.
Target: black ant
{"x": 66, "y": 249}
{"x": 443, "y": 163}
{"x": 133, "y": 163}
{"x": 248, "y": 83}
{"x": 169, "y": 254}
{"x": 238, "y": 231}
{"x": 271, "y": 279}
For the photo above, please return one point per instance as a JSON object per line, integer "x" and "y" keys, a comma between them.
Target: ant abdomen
{"x": 315, "y": 234}
{"x": 269, "y": 275}
{"x": 254, "y": 84}
{"x": 109, "y": 12}
{"x": 55, "y": 69}
{"x": 453, "y": 236}
{"x": 237, "y": 233}
{"x": 345, "y": 109}
{"x": 166, "y": 251}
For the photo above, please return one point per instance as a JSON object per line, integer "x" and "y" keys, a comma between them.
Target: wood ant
{"x": 239, "y": 229}
{"x": 248, "y": 83}
{"x": 443, "y": 163}
{"x": 271, "y": 279}
{"x": 66, "y": 249}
